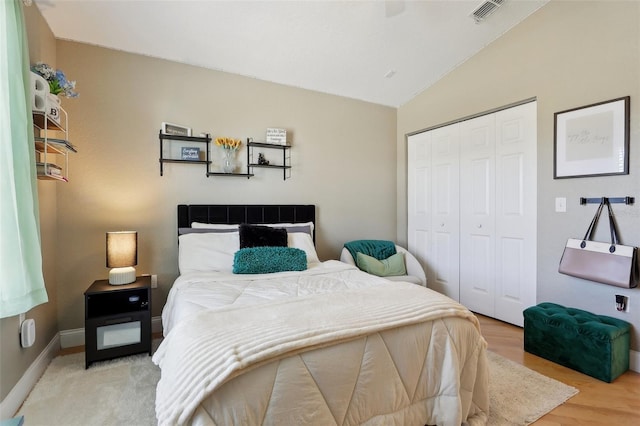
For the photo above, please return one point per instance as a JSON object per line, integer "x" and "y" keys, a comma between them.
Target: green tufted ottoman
{"x": 596, "y": 345}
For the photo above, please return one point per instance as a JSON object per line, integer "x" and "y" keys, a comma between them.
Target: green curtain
{"x": 21, "y": 279}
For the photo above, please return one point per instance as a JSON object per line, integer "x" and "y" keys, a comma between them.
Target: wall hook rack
{"x": 615, "y": 200}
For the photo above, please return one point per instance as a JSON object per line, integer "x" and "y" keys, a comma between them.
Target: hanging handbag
{"x": 608, "y": 263}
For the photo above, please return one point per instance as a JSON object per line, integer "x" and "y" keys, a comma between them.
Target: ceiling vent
{"x": 485, "y": 9}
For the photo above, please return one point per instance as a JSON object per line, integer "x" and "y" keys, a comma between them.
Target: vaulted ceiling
{"x": 384, "y": 52}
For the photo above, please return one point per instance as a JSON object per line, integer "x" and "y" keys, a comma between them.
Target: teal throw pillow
{"x": 267, "y": 260}
{"x": 391, "y": 266}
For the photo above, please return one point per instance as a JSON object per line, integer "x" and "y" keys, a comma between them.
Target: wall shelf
{"x": 170, "y": 145}
{"x": 267, "y": 166}
{"x": 247, "y": 175}
{"x": 285, "y": 165}
{"x": 52, "y": 153}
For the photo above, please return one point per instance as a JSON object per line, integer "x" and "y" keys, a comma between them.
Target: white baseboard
{"x": 634, "y": 361}
{"x": 75, "y": 337}
{"x": 10, "y": 405}
{"x": 72, "y": 338}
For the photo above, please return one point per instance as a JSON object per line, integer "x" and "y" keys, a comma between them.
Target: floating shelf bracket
{"x": 612, "y": 200}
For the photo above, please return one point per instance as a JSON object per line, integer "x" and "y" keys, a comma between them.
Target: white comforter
{"x": 330, "y": 345}
{"x": 197, "y": 291}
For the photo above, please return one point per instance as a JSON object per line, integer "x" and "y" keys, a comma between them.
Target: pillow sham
{"x": 262, "y": 236}
{"x": 291, "y": 227}
{"x": 307, "y": 227}
{"x": 268, "y": 259}
{"x": 207, "y": 252}
{"x": 304, "y": 228}
{"x": 213, "y": 225}
{"x": 303, "y": 241}
{"x": 182, "y": 231}
{"x": 391, "y": 266}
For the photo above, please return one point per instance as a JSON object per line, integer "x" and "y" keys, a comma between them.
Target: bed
{"x": 324, "y": 345}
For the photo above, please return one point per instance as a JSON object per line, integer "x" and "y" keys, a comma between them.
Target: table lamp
{"x": 122, "y": 256}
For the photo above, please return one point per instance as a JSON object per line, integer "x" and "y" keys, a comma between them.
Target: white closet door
{"x": 477, "y": 214}
{"x": 472, "y": 210}
{"x": 516, "y": 217}
{"x": 419, "y": 199}
{"x": 445, "y": 216}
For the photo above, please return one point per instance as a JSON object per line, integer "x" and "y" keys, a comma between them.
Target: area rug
{"x": 520, "y": 396}
{"x": 122, "y": 392}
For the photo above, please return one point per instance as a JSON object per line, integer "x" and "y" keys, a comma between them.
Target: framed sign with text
{"x": 175, "y": 129}
{"x": 277, "y": 136}
{"x": 190, "y": 153}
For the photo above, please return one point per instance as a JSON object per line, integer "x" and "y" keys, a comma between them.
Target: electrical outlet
{"x": 154, "y": 281}
{"x": 622, "y": 303}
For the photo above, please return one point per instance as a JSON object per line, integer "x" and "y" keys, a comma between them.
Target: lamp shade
{"x": 122, "y": 249}
{"x": 122, "y": 255}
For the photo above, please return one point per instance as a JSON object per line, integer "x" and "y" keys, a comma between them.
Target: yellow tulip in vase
{"x": 229, "y": 148}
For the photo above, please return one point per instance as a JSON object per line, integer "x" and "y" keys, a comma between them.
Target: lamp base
{"x": 120, "y": 276}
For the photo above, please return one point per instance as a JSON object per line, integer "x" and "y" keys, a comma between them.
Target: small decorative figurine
{"x": 261, "y": 160}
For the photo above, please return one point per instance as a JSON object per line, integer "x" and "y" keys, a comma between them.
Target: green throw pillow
{"x": 267, "y": 260}
{"x": 391, "y": 266}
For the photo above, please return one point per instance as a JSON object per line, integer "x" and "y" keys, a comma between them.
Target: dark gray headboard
{"x": 245, "y": 213}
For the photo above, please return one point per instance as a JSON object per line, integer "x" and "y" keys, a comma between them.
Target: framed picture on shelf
{"x": 276, "y": 136}
{"x": 190, "y": 153}
{"x": 592, "y": 140}
{"x": 175, "y": 129}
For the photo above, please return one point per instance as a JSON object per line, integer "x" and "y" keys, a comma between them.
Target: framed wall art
{"x": 592, "y": 140}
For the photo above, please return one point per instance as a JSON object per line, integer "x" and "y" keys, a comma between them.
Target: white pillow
{"x": 207, "y": 252}
{"x": 294, "y": 226}
{"x": 303, "y": 241}
{"x": 213, "y": 225}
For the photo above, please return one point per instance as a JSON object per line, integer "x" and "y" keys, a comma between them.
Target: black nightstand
{"x": 117, "y": 319}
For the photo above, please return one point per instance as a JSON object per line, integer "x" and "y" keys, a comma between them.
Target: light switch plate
{"x": 561, "y": 204}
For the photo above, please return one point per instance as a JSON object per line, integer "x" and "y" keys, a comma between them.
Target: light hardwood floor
{"x": 597, "y": 403}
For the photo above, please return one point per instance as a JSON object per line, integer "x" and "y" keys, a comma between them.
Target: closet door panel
{"x": 445, "y": 221}
{"x": 512, "y": 184}
{"x": 477, "y": 214}
{"x": 512, "y": 251}
{"x": 419, "y": 199}
{"x": 446, "y": 271}
{"x": 511, "y": 291}
{"x": 516, "y": 195}
{"x": 476, "y": 277}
